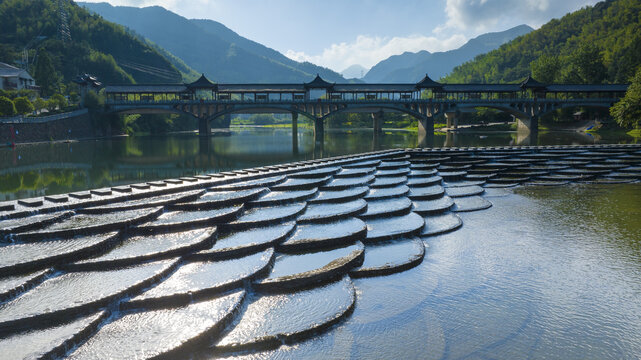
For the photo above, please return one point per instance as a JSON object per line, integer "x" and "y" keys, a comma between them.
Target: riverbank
{"x": 75, "y": 125}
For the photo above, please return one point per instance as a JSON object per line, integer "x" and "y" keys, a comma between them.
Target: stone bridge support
{"x": 224, "y": 121}
{"x": 452, "y": 120}
{"x": 527, "y": 124}
{"x": 451, "y": 139}
{"x": 527, "y": 130}
{"x": 377, "y": 119}
{"x": 295, "y": 132}
{"x": 319, "y": 130}
{"x": 204, "y": 126}
{"x": 426, "y": 131}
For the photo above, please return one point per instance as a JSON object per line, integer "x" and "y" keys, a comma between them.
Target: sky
{"x": 341, "y": 33}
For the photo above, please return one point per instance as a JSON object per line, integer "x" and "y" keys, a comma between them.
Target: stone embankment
{"x": 59, "y": 127}
{"x": 184, "y": 267}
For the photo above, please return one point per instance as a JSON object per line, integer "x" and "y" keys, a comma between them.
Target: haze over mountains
{"x": 411, "y": 67}
{"x": 209, "y": 47}
{"x": 355, "y": 71}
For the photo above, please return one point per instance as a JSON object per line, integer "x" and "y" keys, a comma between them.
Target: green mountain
{"x": 212, "y": 48}
{"x": 600, "y": 43}
{"x": 84, "y": 43}
{"x": 411, "y": 67}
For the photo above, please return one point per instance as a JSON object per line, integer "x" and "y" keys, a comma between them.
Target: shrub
{"x": 7, "y": 108}
{"x": 39, "y": 104}
{"x": 51, "y": 105}
{"x": 60, "y": 100}
{"x": 23, "y": 105}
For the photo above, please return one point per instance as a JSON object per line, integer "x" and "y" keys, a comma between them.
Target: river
{"x": 54, "y": 168}
{"x": 546, "y": 272}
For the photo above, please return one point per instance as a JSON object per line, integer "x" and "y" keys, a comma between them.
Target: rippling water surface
{"x": 547, "y": 272}
{"x": 47, "y": 169}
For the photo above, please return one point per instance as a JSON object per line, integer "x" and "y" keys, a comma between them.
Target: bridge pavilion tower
{"x": 529, "y": 125}
{"x": 202, "y": 90}
{"x": 318, "y": 90}
{"x": 429, "y": 89}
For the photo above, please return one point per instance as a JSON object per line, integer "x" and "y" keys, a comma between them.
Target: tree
{"x": 74, "y": 97}
{"x": 627, "y": 112}
{"x": 588, "y": 63}
{"x": 45, "y": 73}
{"x": 51, "y": 105}
{"x": 39, "y": 104}
{"x": 7, "y": 108}
{"x": 546, "y": 69}
{"x": 60, "y": 100}
{"x": 93, "y": 101}
{"x": 23, "y": 105}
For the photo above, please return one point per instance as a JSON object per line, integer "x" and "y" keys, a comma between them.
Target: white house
{"x": 13, "y": 78}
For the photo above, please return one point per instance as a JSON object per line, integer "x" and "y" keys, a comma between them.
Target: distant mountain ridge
{"x": 355, "y": 71}
{"x": 595, "y": 44}
{"x": 211, "y": 48}
{"x": 411, "y": 67}
{"x": 94, "y": 46}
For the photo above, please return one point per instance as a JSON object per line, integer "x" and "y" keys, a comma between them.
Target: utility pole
{"x": 63, "y": 28}
{"x": 25, "y": 51}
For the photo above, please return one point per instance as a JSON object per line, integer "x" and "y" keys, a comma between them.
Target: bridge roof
{"x": 202, "y": 83}
{"x": 261, "y": 88}
{"x": 531, "y": 83}
{"x": 150, "y": 88}
{"x": 474, "y": 88}
{"x": 318, "y": 83}
{"x": 374, "y": 88}
{"x": 587, "y": 88}
{"x": 427, "y": 83}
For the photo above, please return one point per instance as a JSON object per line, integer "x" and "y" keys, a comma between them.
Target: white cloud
{"x": 479, "y": 16}
{"x": 367, "y": 50}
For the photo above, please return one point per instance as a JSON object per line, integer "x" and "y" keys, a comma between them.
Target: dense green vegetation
{"x": 97, "y": 46}
{"x": 598, "y": 44}
{"x": 27, "y": 102}
{"x": 627, "y": 112}
{"x": 106, "y": 50}
{"x": 601, "y": 43}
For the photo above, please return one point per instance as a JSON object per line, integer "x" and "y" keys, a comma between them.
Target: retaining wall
{"x": 75, "y": 125}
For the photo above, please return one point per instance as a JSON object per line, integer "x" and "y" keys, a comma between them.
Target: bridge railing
{"x": 357, "y": 101}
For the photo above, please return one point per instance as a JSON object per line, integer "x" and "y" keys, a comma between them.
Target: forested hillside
{"x": 212, "y": 48}
{"x": 94, "y": 46}
{"x": 596, "y": 44}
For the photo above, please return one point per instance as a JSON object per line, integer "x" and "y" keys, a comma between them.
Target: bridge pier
{"x": 452, "y": 120}
{"x": 204, "y": 127}
{"x": 527, "y": 131}
{"x": 204, "y": 145}
{"x": 426, "y": 131}
{"x": 527, "y": 124}
{"x": 527, "y": 139}
{"x": 377, "y": 119}
{"x": 450, "y": 139}
{"x": 295, "y": 132}
{"x": 319, "y": 131}
{"x": 226, "y": 121}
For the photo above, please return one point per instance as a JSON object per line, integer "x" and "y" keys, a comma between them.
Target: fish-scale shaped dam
{"x": 253, "y": 259}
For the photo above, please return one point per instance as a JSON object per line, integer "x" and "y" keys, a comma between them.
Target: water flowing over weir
{"x": 284, "y": 260}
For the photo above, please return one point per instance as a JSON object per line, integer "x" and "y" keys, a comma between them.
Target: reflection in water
{"x": 46, "y": 169}
{"x": 559, "y": 280}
